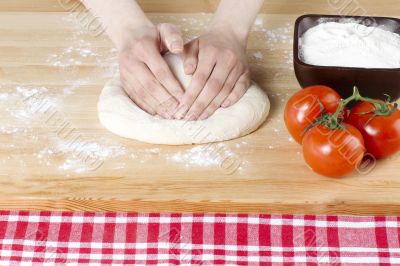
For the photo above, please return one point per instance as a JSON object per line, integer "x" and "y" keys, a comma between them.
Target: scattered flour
{"x": 278, "y": 36}
{"x": 80, "y": 52}
{"x": 281, "y": 38}
{"x": 90, "y": 152}
{"x": 258, "y": 55}
{"x": 80, "y": 156}
{"x": 211, "y": 155}
{"x": 202, "y": 155}
{"x": 259, "y": 21}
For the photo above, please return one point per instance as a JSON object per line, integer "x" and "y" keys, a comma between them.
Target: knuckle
{"x": 170, "y": 103}
{"x": 214, "y": 84}
{"x": 210, "y": 50}
{"x": 125, "y": 59}
{"x": 189, "y": 99}
{"x": 150, "y": 83}
{"x": 242, "y": 68}
{"x": 242, "y": 84}
{"x": 230, "y": 57}
{"x": 201, "y": 77}
{"x": 161, "y": 74}
{"x": 198, "y": 107}
{"x": 160, "y": 109}
{"x": 228, "y": 86}
{"x": 141, "y": 45}
{"x": 141, "y": 94}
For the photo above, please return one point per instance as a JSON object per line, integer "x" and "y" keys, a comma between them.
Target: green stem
{"x": 343, "y": 103}
{"x": 381, "y": 106}
{"x": 332, "y": 121}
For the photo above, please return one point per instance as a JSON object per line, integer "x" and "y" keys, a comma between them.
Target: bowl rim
{"x": 298, "y": 61}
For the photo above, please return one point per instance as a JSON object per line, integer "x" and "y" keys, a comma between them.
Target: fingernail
{"x": 167, "y": 115}
{"x": 191, "y": 117}
{"x": 203, "y": 117}
{"x": 178, "y": 116}
{"x": 226, "y": 104}
{"x": 188, "y": 67}
{"x": 181, "y": 111}
{"x": 176, "y": 45}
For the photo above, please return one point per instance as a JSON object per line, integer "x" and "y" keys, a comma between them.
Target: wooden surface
{"x": 51, "y": 73}
{"x": 352, "y": 7}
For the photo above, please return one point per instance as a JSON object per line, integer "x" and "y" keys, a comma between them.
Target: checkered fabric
{"x": 63, "y": 238}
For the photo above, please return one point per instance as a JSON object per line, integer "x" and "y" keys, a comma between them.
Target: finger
{"x": 131, "y": 89}
{"x": 137, "y": 91}
{"x": 212, "y": 88}
{"x": 190, "y": 55}
{"x": 226, "y": 90}
{"x": 199, "y": 79}
{"x": 164, "y": 103}
{"x": 171, "y": 37}
{"x": 161, "y": 71}
{"x": 238, "y": 91}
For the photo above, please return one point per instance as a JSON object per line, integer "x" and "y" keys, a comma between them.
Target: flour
{"x": 350, "y": 45}
{"x": 258, "y": 55}
{"x": 280, "y": 39}
{"x": 209, "y": 155}
{"x": 25, "y": 126}
{"x": 278, "y": 36}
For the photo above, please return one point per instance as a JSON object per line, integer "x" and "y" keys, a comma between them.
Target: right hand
{"x": 145, "y": 75}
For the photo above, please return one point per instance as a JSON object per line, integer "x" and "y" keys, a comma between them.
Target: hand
{"x": 145, "y": 75}
{"x": 220, "y": 71}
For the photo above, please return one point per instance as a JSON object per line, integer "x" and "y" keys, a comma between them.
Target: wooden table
{"x": 55, "y": 155}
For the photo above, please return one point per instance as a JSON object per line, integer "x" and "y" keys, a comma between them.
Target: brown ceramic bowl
{"x": 372, "y": 82}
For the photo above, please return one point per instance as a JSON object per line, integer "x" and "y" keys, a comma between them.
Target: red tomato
{"x": 381, "y": 134}
{"x": 333, "y": 153}
{"x": 303, "y": 108}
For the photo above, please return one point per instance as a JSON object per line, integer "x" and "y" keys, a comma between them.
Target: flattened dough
{"x": 121, "y": 116}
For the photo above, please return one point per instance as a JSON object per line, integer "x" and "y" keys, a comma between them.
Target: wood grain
{"x": 37, "y": 43}
{"x": 343, "y": 7}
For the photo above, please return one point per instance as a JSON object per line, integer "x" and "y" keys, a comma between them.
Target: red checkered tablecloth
{"x": 63, "y": 238}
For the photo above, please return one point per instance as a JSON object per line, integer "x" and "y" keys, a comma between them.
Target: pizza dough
{"x": 121, "y": 116}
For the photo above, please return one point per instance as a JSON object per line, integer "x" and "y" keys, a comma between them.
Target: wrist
{"x": 129, "y": 32}
{"x": 240, "y": 34}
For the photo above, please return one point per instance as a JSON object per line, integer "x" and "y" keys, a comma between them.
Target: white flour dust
{"x": 28, "y": 121}
{"x": 211, "y": 155}
{"x": 79, "y": 53}
{"x": 281, "y": 37}
{"x": 258, "y": 55}
{"x": 202, "y": 155}
{"x": 80, "y": 156}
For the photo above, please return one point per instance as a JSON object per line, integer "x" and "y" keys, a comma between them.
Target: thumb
{"x": 171, "y": 37}
{"x": 190, "y": 56}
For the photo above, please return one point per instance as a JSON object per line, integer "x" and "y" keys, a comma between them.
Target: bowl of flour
{"x": 343, "y": 52}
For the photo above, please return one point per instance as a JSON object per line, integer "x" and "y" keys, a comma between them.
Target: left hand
{"x": 221, "y": 76}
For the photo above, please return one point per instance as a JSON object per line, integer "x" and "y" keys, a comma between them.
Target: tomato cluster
{"x": 336, "y": 140}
